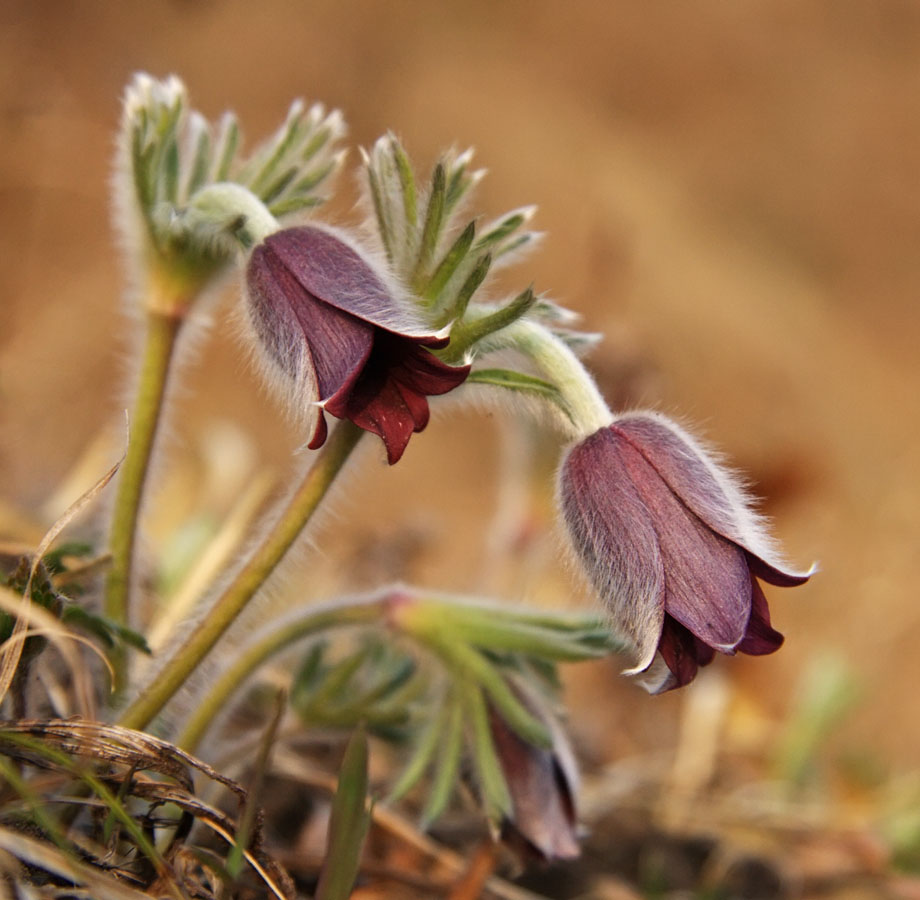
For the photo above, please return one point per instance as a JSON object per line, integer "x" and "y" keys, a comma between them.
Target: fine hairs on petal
{"x": 339, "y": 330}
{"x": 752, "y": 527}
{"x": 298, "y": 395}
{"x": 629, "y": 577}
{"x": 400, "y": 315}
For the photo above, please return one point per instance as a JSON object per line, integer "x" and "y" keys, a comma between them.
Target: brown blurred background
{"x": 730, "y": 193}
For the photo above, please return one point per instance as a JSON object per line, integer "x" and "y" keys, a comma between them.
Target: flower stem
{"x": 248, "y": 580}
{"x": 586, "y": 406}
{"x": 335, "y": 615}
{"x": 159, "y": 344}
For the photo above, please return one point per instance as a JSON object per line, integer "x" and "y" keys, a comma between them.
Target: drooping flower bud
{"x": 335, "y": 327}
{"x": 542, "y": 784}
{"x": 672, "y": 546}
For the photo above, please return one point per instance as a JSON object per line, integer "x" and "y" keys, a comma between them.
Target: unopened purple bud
{"x": 672, "y": 546}
{"x": 542, "y": 784}
{"x": 337, "y": 328}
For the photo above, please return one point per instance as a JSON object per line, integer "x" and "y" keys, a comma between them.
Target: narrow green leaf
{"x": 448, "y": 770}
{"x": 448, "y": 265}
{"x": 407, "y": 182}
{"x": 201, "y": 161}
{"x": 384, "y": 226}
{"x": 457, "y": 309}
{"x": 388, "y": 682}
{"x": 310, "y": 672}
{"x": 103, "y": 628}
{"x": 469, "y": 332}
{"x": 517, "y": 243}
{"x": 312, "y": 179}
{"x": 426, "y": 744}
{"x": 473, "y": 666}
{"x": 293, "y": 203}
{"x": 140, "y": 168}
{"x": 316, "y": 142}
{"x": 363, "y": 703}
{"x": 274, "y": 189}
{"x": 517, "y": 381}
{"x": 348, "y": 824}
{"x": 498, "y": 232}
{"x": 491, "y": 777}
{"x": 228, "y": 142}
{"x": 458, "y": 183}
{"x": 270, "y": 159}
{"x": 169, "y": 177}
{"x": 54, "y": 560}
{"x": 508, "y": 636}
{"x": 335, "y": 680}
{"x": 431, "y": 231}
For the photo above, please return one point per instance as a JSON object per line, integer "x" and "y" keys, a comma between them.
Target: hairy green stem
{"x": 159, "y": 344}
{"x": 587, "y": 408}
{"x": 248, "y": 580}
{"x": 336, "y": 615}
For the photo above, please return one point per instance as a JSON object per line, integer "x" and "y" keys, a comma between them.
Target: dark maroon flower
{"x": 542, "y": 822}
{"x": 336, "y": 326}
{"x": 671, "y": 544}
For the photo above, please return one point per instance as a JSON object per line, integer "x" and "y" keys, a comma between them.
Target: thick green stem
{"x": 160, "y": 341}
{"x": 250, "y": 578}
{"x": 359, "y": 612}
{"x": 586, "y": 406}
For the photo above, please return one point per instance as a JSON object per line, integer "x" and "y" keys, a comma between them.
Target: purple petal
{"x": 416, "y": 403}
{"x": 389, "y": 397}
{"x": 707, "y": 581}
{"x": 332, "y": 323}
{"x": 613, "y": 532}
{"x": 383, "y": 412}
{"x": 760, "y": 638}
{"x": 542, "y": 805}
{"x": 705, "y": 489}
{"x": 338, "y": 343}
{"x": 683, "y": 653}
{"x": 424, "y": 373}
{"x": 773, "y": 575}
{"x": 332, "y": 270}
{"x": 305, "y": 337}
{"x": 320, "y": 432}
{"x": 677, "y": 650}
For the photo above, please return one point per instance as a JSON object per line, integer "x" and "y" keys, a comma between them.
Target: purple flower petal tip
{"x": 333, "y": 324}
{"x": 542, "y": 822}
{"x": 670, "y": 543}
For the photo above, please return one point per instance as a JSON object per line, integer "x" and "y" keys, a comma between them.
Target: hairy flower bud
{"x": 672, "y": 546}
{"x": 542, "y": 783}
{"x": 335, "y": 327}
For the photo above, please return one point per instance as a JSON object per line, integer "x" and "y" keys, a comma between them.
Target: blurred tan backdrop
{"x": 730, "y": 192}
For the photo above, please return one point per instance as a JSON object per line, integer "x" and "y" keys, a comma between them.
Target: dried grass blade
{"x": 61, "y": 637}
{"x": 121, "y": 745}
{"x": 44, "y": 856}
{"x": 11, "y": 652}
{"x": 257, "y": 867}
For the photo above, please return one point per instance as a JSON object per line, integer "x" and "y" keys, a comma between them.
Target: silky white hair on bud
{"x": 752, "y": 528}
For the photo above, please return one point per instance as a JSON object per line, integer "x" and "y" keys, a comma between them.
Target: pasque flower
{"x": 542, "y": 783}
{"x": 671, "y": 544}
{"x": 336, "y": 327}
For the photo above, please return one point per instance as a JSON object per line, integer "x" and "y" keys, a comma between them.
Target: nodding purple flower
{"x": 542, "y": 822}
{"x": 336, "y": 326}
{"x": 672, "y": 546}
